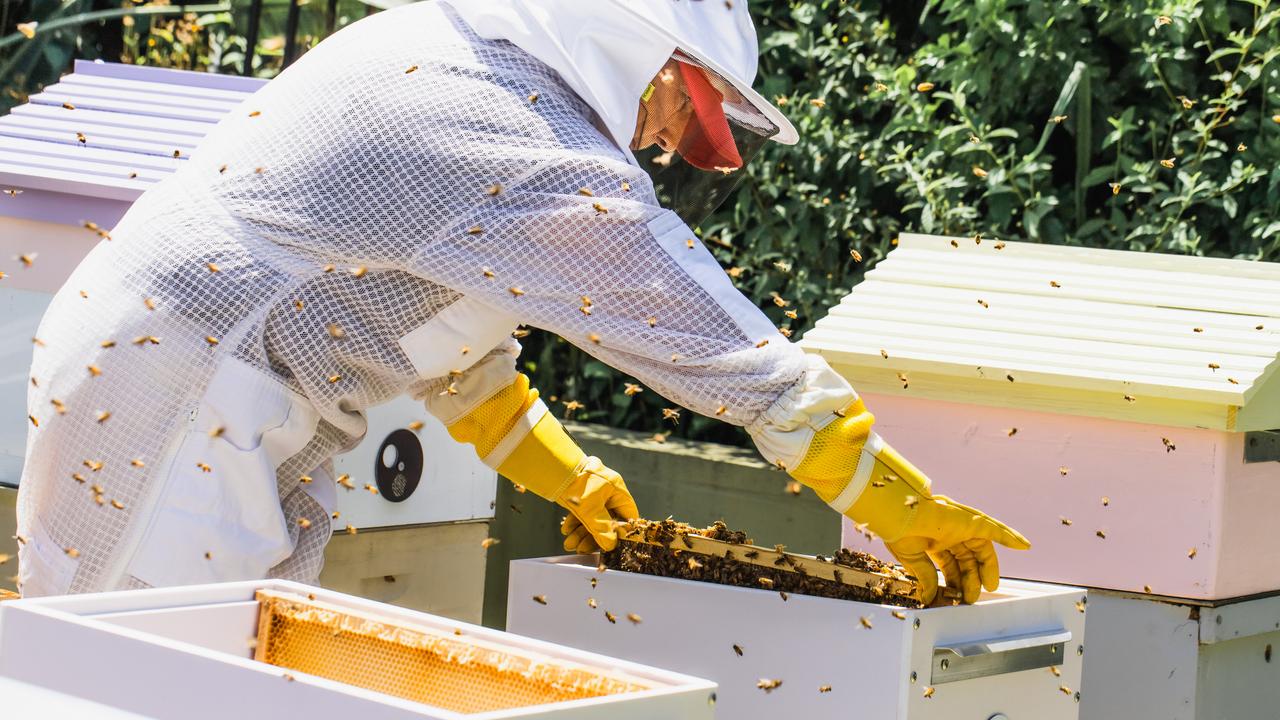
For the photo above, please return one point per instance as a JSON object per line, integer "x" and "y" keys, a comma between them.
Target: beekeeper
{"x": 376, "y": 221}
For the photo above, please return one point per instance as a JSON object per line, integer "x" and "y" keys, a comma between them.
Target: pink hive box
{"x": 1101, "y": 402}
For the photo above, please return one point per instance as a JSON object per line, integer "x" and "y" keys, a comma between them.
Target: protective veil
{"x": 374, "y": 221}
{"x": 608, "y": 51}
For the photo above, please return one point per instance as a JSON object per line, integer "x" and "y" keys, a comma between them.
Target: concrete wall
{"x": 694, "y": 482}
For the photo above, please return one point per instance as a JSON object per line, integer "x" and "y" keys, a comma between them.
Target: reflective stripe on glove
{"x": 855, "y": 472}
{"x": 514, "y": 433}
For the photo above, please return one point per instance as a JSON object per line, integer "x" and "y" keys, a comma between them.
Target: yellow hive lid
{"x": 1146, "y": 337}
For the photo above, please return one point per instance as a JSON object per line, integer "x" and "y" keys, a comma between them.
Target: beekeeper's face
{"x": 664, "y": 114}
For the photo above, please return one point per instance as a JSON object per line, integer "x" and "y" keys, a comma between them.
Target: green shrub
{"x": 1046, "y": 121}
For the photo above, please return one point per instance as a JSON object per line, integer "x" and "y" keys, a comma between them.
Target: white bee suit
{"x": 372, "y": 222}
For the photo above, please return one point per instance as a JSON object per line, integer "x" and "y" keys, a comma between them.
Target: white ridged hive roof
{"x": 133, "y": 120}
{"x": 1165, "y": 339}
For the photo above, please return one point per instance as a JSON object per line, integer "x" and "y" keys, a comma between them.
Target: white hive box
{"x": 1160, "y": 659}
{"x": 1140, "y": 378}
{"x": 1162, "y": 464}
{"x": 134, "y": 119}
{"x": 187, "y": 652}
{"x": 989, "y": 660}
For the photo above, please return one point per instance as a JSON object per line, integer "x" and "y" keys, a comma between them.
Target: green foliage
{"x": 1045, "y": 121}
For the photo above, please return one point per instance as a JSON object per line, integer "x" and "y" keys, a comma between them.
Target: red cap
{"x": 707, "y": 142}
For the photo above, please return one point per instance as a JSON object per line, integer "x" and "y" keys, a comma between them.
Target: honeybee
{"x": 1168, "y": 445}
{"x": 345, "y": 481}
{"x": 818, "y": 103}
{"x": 594, "y": 337}
{"x": 334, "y": 378}
{"x": 857, "y": 256}
{"x": 1065, "y": 690}
{"x": 899, "y": 614}
{"x": 410, "y": 69}
{"x": 72, "y": 553}
{"x": 1214, "y": 366}
{"x": 634, "y": 618}
{"x": 865, "y": 621}
{"x": 979, "y": 172}
{"x": 924, "y": 87}
{"x": 824, "y": 688}
{"x": 1168, "y": 163}
{"x": 911, "y": 501}
{"x": 1101, "y": 534}
{"x": 533, "y": 98}
{"x": 58, "y": 406}
{"x": 81, "y": 138}
{"x": 489, "y": 542}
{"x": 94, "y": 465}
{"x": 416, "y": 425}
{"x": 793, "y": 487}
{"x": 351, "y": 529}
{"x": 1056, "y": 672}
{"x": 1065, "y": 521}
{"x": 613, "y": 619}
{"x": 1054, "y": 284}
{"x": 1191, "y": 553}
{"x": 204, "y": 467}
{"x": 304, "y": 523}
{"x": 600, "y": 208}
{"x": 983, "y": 303}
{"x": 360, "y": 271}
{"x": 765, "y": 583}
{"x": 373, "y": 489}
{"x": 1011, "y": 431}
{"x": 211, "y": 340}
{"x": 672, "y": 414}
{"x": 1130, "y": 399}
{"x": 1106, "y": 501}
{"x": 1162, "y": 20}
{"x": 103, "y": 416}
{"x": 768, "y": 684}
{"x": 515, "y": 291}
{"x": 591, "y": 602}
{"x": 928, "y": 692}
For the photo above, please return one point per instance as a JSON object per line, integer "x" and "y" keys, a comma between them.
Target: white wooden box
{"x": 1110, "y": 405}
{"x": 1160, "y": 659}
{"x": 186, "y": 652}
{"x": 877, "y": 673}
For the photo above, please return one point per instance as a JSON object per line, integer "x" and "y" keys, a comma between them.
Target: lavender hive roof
{"x": 133, "y": 118}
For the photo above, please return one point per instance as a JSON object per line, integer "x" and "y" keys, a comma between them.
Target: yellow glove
{"x": 513, "y": 432}
{"x": 855, "y": 472}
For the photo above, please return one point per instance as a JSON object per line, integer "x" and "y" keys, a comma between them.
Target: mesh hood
{"x": 609, "y": 50}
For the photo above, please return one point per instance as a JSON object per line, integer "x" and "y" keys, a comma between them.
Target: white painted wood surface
{"x": 1077, "y": 329}
{"x": 1155, "y": 659}
{"x": 100, "y": 648}
{"x": 806, "y": 642}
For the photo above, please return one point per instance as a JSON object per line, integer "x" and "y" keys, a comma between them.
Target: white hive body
{"x": 270, "y": 648}
{"x": 879, "y": 661}
{"x": 352, "y": 194}
{"x": 1118, "y": 408}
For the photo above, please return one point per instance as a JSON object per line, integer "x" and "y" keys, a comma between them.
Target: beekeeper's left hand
{"x": 854, "y": 471}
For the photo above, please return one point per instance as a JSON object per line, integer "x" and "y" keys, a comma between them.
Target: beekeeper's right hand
{"x": 853, "y": 470}
{"x": 515, "y": 434}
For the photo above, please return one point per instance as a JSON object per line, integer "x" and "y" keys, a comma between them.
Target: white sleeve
{"x": 623, "y": 279}
{"x": 453, "y": 398}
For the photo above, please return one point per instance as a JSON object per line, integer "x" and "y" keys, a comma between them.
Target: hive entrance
{"x": 720, "y": 555}
{"x": 453, "y": 672}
